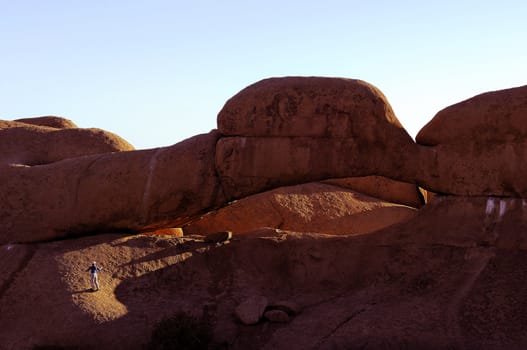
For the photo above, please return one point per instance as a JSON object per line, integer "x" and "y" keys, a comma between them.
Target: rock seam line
{"x": 339, "y": 325}
{"x": 148, "y": 185}
{"x": 12, "y": 277}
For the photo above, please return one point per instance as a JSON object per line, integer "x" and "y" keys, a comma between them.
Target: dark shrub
{"x": 182, "y": 332}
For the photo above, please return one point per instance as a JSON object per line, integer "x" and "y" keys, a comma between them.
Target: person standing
{"x": 94, "y": 278}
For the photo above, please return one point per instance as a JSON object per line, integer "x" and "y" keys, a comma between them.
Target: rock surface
{"x": 26, "y": 144}
{"x": 488, "y": 118}
{"x": 384, "y": 188}
{"x": 283, "y": 131}
{"x": 50, "y": 121}
{"x": 313, "y": 107}
{"x": 75, "y": 192}
{"x": 266, "y": 144}
{"x": 251, "y": 310}
{"x": 451, "y": 277}
{"x": 131, "y": 191}
{"x": 289, "y": 307}
{"x": 313, "y": 207}
{"x": 277, "y": 316}
{"x": 478, "y": 146}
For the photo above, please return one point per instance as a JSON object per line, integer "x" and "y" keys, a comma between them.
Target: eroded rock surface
{"x": 478, "y": 146}
{"x": 284, "y": 131}
{"x": 313, "y": 207}
{"x": 311, "y": 107}
{"x": 437, "y": 281}
{"x": 251, "y": 310}
{"x": 449, "y": 276}
{"x": 329, "y": 128}
{"x": 130, "y": 191}
{"x": 50, "y": 121}
{"x": 28, "y": 144}
{"x": 490, "y": 117}
{"x": 384, "y": 188}
{"x": 277, "y": 132}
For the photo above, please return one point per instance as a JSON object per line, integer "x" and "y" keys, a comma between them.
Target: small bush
{"x": 182, "y": 332}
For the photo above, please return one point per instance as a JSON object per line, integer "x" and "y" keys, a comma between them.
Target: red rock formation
{"x": 312, "y": 207}
{"x": 50, "y": 121}
{"x": 132, "y": 191}
{"x": 251, "y": 310}
{"x": 26, "y": 144}
{"x": 490, "y": 117}
{"x": 478, "y": 146}
{"x": 284, "y": 131}
{"x": 357, "y": 134}
{"x": 384, "y": 188}
{"x": 311, "y": 107}
{"x": 451, "y": 277}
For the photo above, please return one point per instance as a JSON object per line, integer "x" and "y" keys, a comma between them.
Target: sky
{"x": 157, "y": 72}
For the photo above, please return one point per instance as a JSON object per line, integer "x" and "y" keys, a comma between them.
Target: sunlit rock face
{"x": 312, "y": 207}
{"x": 34, "y": 142}
{"x": 299, "y": 129}
{"x": 478, "y": 146}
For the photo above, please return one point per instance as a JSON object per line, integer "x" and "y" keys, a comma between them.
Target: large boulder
{"x": 311, "y": 106}
{"x": 28, "y": 144}
{"x": 284, "y": 131}
{"x": 129, "y": 191}
{"x": 312, "y": 207}
{"x": 251, "y": 309}
{"x": 491, "y": 117}
{"x": 478, "y": 146}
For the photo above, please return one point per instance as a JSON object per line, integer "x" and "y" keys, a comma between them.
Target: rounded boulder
{"x": 477, "y": 147}
{"x": 31, "y": 144}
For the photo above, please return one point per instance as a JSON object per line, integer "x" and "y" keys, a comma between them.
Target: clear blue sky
{"x": 157, "y": 72}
